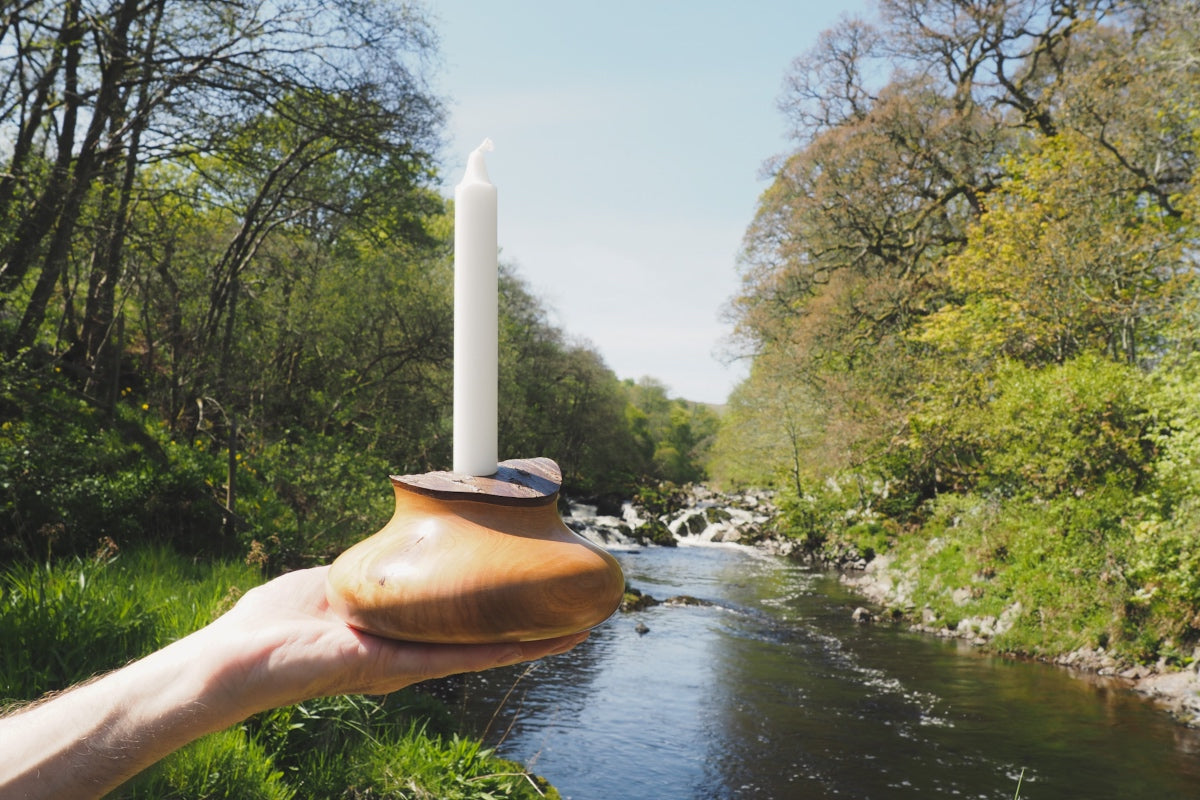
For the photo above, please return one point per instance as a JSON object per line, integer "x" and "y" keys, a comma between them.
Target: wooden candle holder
{"x": 467, "y": 559}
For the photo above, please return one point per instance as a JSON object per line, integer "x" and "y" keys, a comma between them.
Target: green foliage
{"x": 59, "y": 626}
{"x": 972, "y": 313}
{"x": 1054, "y": 569}
{"x": 310, "y": 496}
{"x": 265, "y": 319}
{"x": 1164, "y": 568}
{"x": 454, "y": 768}
{"x": 772, "y": 423}
{"x": 1069, "y": 428}
{"x": 1042, "y": 431}
{"x": 1071, "y": 256}
{"x": 1164, "y": 572}
{"x": 673, "y": 436}
{"x": 816, "y": 517}
{"x": 226, "y": 764}
{"x": 73, "y": 477}
{"x": 65, "y": 621}
{"x": 869, "y": 538}
{"x": 343, "y": 747}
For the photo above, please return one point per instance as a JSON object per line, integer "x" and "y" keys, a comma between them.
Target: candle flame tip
{"x": 476, "y": 164}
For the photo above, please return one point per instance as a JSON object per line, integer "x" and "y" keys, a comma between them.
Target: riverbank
{"x": 884, "y": 584}
{"x": 702, "y": 515}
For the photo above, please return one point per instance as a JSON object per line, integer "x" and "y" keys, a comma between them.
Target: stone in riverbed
{"x": 634, "y": 600}
{"x": 695, "y": 524}
{"x": 685, "y": 600}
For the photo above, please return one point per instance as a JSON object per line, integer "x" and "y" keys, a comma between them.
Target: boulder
{"x": 685, "y": 600}
{"x": 634, "y": 600}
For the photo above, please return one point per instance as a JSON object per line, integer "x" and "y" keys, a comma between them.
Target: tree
{"x": 268, "y": 255}
{"x": 673, "y": 435}
{"x": 770, "y": 433}
{"x": 1040, "y": 148}
{"x": 559, "y": 399}
{"x": 99, "y": 90}
{"x": 1071, "y": 257}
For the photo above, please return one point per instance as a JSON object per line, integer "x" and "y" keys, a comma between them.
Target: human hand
{"x": 286, "y": 645}
{"x": 281, "y": 644}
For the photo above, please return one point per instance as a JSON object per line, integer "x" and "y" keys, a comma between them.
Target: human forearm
{"x": 91, "y": 739}
{"x": 279, "y": 645}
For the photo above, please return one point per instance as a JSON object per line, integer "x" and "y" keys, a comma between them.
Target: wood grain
{"x": 469, "y": 560}
{"x": 519, "y": 481}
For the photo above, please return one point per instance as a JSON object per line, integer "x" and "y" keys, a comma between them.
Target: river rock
{"x": 862, "y": 616}
{"x": 1176, "y": 692}
{"x": 635, "y": 600}
{"x": 699, "y": 514}
{"x": 685, "y": 600}
{"x": 655, "y": 532}
{"x": 708, "y": 516}
{"x": 606, "y": 530}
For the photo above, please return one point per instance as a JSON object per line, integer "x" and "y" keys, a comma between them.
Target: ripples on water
{"x": 772, "y": 692}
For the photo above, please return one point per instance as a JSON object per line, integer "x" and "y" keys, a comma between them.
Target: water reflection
{"x": 773, "y": 692}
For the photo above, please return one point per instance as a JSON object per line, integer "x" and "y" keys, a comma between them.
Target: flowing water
{"x": 773, "y": 692}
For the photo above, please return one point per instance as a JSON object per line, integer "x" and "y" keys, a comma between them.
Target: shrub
{"x": 72, "y": 476}
{"x": 1066, "y": 428}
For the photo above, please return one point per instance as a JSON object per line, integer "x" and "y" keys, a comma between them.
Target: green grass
{"x": 351, "y": 748}
{"x": 63, "y": 622}
{"x": 1070, "y": 564}
{"x": 226, "y": 764}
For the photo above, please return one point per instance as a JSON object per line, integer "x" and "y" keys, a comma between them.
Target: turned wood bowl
{"x": 466, "y": 559}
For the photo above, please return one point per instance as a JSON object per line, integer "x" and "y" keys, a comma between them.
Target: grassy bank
{"x": 1062, "y": 514}
{"x": 65, "y": 622}
{"x": 1041, "y": 578}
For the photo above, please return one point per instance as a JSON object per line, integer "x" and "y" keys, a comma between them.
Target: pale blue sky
{"x": 630, "y": 140}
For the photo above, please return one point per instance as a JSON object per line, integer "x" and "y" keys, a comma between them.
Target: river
{"x": 772, "y": 691}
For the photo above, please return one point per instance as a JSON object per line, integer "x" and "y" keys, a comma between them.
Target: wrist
{"x": 188, "y": 682}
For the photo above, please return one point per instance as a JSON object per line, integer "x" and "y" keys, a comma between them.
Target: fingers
{"x": 439, "y": 660}
{"x": 296, "y": 636}
{"x": 528, "y": 651}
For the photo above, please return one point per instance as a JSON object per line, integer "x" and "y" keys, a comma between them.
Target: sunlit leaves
{"x": 977, "y": 185}
{"x": 1069, "y": 258}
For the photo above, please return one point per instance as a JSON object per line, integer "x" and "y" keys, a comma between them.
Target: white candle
{"x": 476, "y": 320}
